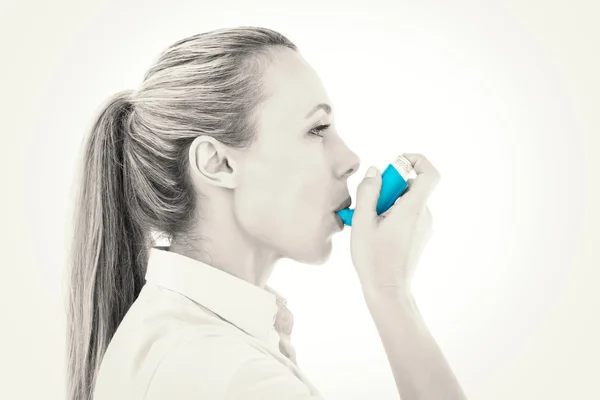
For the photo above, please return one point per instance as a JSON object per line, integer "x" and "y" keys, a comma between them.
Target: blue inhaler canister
{"x": 393, "y": 183}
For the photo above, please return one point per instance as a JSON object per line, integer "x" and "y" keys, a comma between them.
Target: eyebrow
{"x": 319, "y": 106}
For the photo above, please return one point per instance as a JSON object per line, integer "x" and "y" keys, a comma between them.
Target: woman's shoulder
{"x": 225, "y": 367}
{"x": 162, "y": 362}
{"x": 202, "y": 362}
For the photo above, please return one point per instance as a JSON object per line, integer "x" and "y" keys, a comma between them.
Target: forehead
{"x": 294, "y": 89}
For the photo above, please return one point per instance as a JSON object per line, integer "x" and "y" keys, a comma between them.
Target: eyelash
{"x": 319, "y": 128}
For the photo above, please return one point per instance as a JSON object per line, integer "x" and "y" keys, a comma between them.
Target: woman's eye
{"x": 318, "y": 129}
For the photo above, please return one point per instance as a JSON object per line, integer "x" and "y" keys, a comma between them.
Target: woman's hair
{"x": 135, "y": 176}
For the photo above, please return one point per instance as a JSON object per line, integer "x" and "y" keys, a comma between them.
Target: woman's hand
{"x": 385, "y": 248}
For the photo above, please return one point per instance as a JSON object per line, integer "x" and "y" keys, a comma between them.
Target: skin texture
{"x": 275, "y": 199}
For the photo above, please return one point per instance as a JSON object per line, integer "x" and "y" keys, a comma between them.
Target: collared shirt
{"x": 197, "y": 332}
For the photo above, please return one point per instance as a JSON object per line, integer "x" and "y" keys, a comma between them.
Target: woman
{"x": 230, "y": 148}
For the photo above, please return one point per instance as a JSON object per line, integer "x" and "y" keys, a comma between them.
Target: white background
{"x": 502, "y": 96}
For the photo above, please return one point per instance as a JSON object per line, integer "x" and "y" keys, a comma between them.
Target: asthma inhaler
{"x": 393, "y": 183}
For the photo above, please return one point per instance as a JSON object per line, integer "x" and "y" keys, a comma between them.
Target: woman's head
{"x": 216, "y": 139}
{"x": 284, "y": 187}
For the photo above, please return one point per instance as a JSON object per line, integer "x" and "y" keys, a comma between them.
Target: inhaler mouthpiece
{"x": 394, "y": 181}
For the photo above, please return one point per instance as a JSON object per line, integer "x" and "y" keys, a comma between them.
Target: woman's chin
{"x": 324, "y": 253}
{"x": 316, "y": 254}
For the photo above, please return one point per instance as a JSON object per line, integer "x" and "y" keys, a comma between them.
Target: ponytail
{"x": 108, "y": 251}
{"x": 135, "y": 176}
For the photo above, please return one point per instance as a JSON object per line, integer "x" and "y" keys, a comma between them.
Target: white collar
{"x": 239, "y": 302}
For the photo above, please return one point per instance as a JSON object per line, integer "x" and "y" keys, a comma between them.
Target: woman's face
{"x": 292, "y": 180}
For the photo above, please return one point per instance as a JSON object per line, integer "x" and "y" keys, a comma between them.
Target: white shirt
{"x": 197, "y": 332}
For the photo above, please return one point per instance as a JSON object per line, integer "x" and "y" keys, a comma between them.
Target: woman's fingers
{"x": 420, "y": 188}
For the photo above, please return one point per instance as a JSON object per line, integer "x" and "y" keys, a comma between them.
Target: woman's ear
{"x": 212, "y": 163}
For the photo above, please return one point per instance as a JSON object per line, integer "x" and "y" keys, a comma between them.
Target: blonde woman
{"x": 230, "y": 148}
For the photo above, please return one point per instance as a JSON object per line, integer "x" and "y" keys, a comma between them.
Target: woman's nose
{"x": 350, "y": 165}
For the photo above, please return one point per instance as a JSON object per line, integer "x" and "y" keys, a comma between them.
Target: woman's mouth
{"x": 345, "y": 204}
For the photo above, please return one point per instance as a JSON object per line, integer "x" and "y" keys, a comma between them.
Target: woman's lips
{"x": 345, "y": 204}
